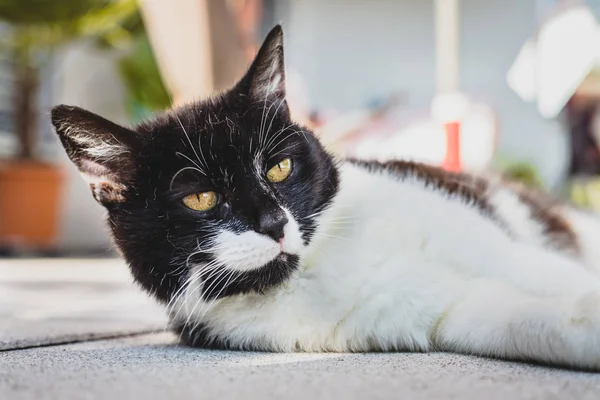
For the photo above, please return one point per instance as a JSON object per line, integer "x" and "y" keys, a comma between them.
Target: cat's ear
{"x": 265, "y": 80}
{"x": 103, "y": 151}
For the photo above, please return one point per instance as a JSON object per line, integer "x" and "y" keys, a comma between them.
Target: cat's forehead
{"x": 221, "y": 138}
{"x": 221, "y": 121}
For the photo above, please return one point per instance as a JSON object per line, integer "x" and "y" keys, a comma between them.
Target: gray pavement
{"x": 56, "y": 301}
{"x": 44, "y": 304}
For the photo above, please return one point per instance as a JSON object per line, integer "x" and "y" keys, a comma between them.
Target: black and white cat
{"x": 256, "y": 238}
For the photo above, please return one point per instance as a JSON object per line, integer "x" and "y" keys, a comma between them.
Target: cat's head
{"x": 224, "y": 191}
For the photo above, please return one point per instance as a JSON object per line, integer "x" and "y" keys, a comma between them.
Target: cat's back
{"x": 523, "y": 214}
{"x": 404, "y": 212}
{"x": 417, "y": 190}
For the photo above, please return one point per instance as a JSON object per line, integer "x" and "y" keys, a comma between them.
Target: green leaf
{"x": 28, "y": 12}
{"x": 142, "y": 78}
{"x": 56, "y": 22}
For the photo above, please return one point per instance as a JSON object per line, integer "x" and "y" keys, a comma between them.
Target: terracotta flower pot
{"x": 29, "y": 204}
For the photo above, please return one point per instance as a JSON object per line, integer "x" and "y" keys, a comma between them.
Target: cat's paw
{"x": 582, "y": 332}
{"x": 586, "y": 312}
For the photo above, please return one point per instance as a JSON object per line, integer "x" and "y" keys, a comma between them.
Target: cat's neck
{"x": 333, "y": 222}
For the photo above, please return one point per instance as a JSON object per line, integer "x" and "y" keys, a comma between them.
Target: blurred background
{"x": 510, "y": 87}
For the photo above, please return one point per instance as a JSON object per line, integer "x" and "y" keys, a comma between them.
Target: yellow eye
{"x": 280, "y": 172}
{"x": 200, "y": 201}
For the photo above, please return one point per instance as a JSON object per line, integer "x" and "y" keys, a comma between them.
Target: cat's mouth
{"x": 245, "y": 262}
{"x": 250, "y": 250}
{"x": 283, "y": 254}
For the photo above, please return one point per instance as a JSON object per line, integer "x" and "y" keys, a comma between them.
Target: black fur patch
{"x": 198, "y": 335}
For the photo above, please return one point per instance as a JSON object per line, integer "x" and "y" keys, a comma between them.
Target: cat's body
{"x": 255, "y": 238}
{"x": 388, "y": 276}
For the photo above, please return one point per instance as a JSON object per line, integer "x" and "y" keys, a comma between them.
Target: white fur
{"x": 517, "y": 216}
{"x": 399, "y": 266}
{"x": 245, "y": 251}
{"x": 92, "y": 171}
{"x": 93, "y": 145}
{"x": 587, "y": 229}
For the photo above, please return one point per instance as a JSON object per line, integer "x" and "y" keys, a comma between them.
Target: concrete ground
{"x": 79, "y": 329}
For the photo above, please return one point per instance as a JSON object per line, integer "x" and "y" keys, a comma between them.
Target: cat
{"x": 256, "y": 238}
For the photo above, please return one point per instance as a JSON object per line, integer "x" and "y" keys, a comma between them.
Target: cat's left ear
{"x": 104, "y": 152}
{"x": 265, "y": 79}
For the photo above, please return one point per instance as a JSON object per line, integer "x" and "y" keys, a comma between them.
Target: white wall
{"x": 86, "y": 77}
{"x": 492, "y": 34}
{"x": 351, "y": 50}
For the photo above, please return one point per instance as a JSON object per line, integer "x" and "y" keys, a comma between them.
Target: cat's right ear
{"x": 103, "y": 151}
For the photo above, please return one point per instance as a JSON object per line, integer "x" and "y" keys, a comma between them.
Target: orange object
{"x": 452, "y": 161}
{"x": 29, "y": 204}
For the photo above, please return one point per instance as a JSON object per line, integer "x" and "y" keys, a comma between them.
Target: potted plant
{"x": 30, "y": 188}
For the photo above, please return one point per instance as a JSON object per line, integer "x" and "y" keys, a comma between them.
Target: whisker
{"x": 179, "y": 293}
{"x": 196, "y": 252}
{"x": 282, "y": 140}
{"x": 277, "y": 134}
{"x": 314, "y": 214}
{"x": 176, "y": 270}
{"x": 287, "y": 148}
{"x": 217, "y": 280}
{"x": 187, "y": 295}
{"x": 191, "y": 280}
{"x": 273, "y": 117}
{"x": 189, "y": 140}
{"x": 329, "y": 236}
{"x": 192, "y": 161}
{"x": 233, "y": 273}
{"x": 207, "y": 306}
{"x": 262, "y": 119}
{"x": 180, "y": 171}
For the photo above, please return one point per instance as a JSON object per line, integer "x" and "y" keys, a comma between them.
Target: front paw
{"x": 581, "y": 332}
{"x": 586, "y": 312}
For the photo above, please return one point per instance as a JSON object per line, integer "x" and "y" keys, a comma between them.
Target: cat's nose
{"x": 272, "y": 223}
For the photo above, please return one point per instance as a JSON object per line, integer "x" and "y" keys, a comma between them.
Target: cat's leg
{"x": 543, "y": 272}
{"x": 496, "y": 320}
{"x": 529, "y": 268}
